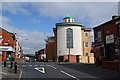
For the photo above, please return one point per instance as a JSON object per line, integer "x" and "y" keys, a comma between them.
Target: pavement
{"x": 8, "y": 73}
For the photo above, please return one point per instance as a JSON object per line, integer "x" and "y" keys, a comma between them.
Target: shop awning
{"x": 7, "y": 48}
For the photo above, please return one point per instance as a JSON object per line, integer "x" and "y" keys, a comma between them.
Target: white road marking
{"x": 52, "y": 66}
{"x": 35, "y": 65}
{"x": 20, "y": 74}
{"x": 42, "y": 65}
{"x": 30, "y": 65}
{"x": 69, "y": 75}
{"x": 23, "y": 65}
{"x": 41, "y": 69}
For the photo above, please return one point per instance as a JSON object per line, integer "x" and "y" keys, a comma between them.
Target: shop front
{"x": 99, "y": 53}
{"x": 7, "y": 53}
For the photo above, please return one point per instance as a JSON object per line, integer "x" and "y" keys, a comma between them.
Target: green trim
{"x": 69, "y": 17}
{"x": 86, "y": 28}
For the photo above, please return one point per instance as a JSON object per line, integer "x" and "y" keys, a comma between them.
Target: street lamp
{"x": 69, "y": 51}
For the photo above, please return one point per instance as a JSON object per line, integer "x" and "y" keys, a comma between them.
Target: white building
{"x": 71, "y": 42}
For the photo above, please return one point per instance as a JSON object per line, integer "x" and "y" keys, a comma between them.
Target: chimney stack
{"x": 114, "y": 17}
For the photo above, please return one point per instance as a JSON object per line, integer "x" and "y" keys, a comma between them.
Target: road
{"x": 50, "y": 70}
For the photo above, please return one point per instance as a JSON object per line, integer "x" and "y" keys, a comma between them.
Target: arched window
{"x": 69, "y": 34}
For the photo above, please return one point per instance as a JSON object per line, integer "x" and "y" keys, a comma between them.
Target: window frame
{"x": 69, "y": 38}
{"x": 85, "y": 34}
{"x": 99, "y": 35}
{"x": 85, "y": 44}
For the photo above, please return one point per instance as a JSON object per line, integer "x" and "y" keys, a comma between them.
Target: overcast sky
{"x": 34, "y": 21}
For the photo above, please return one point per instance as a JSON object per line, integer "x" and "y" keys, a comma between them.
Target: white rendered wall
{"x": 61, "y": 41}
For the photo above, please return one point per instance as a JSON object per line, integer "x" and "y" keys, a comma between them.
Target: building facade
{"x": 107, "y": 43}
{"x": 8, "y": 46}
{"x": 72, "y": 42}
{"x": 40, "y": 55}
{"x": 50, "y": 49}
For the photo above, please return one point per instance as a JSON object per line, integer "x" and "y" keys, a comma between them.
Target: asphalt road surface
{"x": 61, "y": 71}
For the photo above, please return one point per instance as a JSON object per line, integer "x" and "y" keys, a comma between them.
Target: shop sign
{"x": 6, "y": 48}
{"x": 109, "y": 39}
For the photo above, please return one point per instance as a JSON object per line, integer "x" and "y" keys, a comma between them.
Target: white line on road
{"x": 35, "y": 65}
{"x": 69, "y": 75}
{"x": 51, "y": 66}
{"x": 42, "y": 65}
{"x": 20, "y": 74}
{"x": 23, "y": 65}
{"x": 30, "y": 65}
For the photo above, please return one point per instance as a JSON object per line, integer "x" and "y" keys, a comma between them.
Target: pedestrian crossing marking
{"x": 23, "y": 65}
{"x": 35, "y": 65}
{"x": 30, "y": 65}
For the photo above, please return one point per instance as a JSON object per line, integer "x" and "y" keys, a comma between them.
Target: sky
{"x": 34, "y": 21}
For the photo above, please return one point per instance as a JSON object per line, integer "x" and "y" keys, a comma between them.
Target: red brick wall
{"x": 55, "y": 44}
{"x": 7, "y": 39}
{"x": 111, "y": 27}
{"x": 72, "y": 58}
{"x": 4, "y": 55}
{"x": 50, "y": 53}
{"x": 107, "y": 28}
{"x": 0, "y": 58}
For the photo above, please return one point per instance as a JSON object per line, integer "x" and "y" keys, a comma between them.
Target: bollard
{"x": 15, "y": 67}
{"x": 11, "y": 64}
{"x": 4, "y": 63}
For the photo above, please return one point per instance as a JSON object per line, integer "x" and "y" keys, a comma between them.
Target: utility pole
{"x": 69, "y": 52}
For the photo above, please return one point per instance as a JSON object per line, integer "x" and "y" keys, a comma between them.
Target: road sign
{"x": 40, "y": 69}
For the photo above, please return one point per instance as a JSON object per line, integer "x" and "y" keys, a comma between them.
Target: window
{"x": 86, "y": 34}
{"x": 99, "y": 37}
{"x": 86, "y": 54}
{"x": 69, "y": 34}
{"x": 86, "y": 44}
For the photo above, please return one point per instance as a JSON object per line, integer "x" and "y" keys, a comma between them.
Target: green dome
{"x": 69, "y": 17}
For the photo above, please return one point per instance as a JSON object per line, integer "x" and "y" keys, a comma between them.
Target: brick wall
{"x": 72, "y": 58}
{"x": 50, "y": 53}
{"x": 7, "y": 38}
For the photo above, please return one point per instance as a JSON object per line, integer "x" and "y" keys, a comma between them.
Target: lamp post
{"x": 69, "y": 51}
{"x": 22, "y": 49}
